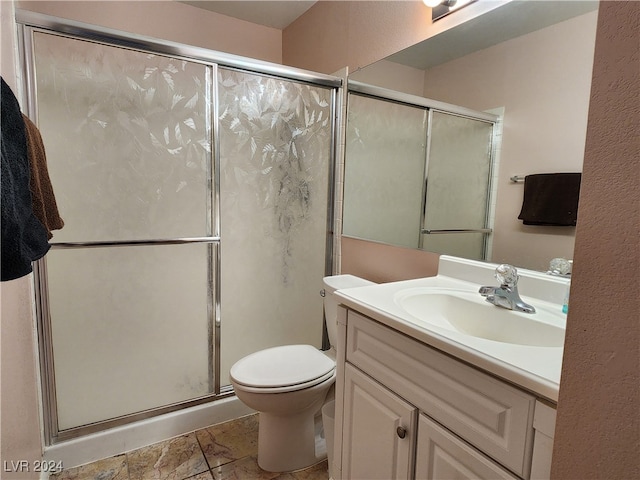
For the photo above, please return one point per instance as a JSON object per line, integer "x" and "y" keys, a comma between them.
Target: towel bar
{"x": 455, "y": 230}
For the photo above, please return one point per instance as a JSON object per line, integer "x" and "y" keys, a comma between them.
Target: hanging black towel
{"x": 551, "y": 199}
{"x": 24, "y": 238}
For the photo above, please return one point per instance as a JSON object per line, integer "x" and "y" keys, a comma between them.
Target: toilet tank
{"x": 331, "y": 284}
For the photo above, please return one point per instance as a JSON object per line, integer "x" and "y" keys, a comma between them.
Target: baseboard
{"x": 115, "y": 441}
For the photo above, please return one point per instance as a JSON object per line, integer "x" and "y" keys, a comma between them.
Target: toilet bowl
{"x": 288, "y": 385}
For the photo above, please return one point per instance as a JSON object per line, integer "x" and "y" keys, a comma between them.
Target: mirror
{"x": 532, "y": 62}
{"x": 418, "y": 173}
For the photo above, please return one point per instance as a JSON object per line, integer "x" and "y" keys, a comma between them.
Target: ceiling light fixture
{"x": 440, "y": 8}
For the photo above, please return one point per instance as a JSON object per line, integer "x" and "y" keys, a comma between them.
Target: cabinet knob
{"x": 401, "y": 431}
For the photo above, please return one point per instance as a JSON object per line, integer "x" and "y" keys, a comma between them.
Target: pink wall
{"x": 332, "y": 35}
{"x": 20, "y": 427}
{"x": 597, "y": 430}
{"x": 542, "y": 80}
{"x": 384, "y": 263}
{"x": 598, "y": 425}
{"x": 172, "y": 21}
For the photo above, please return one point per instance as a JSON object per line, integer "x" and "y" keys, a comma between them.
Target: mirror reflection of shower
{"x": 418, "y": 173}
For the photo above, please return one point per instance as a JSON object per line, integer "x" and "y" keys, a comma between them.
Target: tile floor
{"x": 227, "y": 451}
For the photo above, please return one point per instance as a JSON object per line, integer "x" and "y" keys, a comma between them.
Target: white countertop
{"x": 533, "y": 368}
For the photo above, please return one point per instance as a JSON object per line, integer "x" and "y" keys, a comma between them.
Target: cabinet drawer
{"x": 491, "y": 415}
{"x": 442, "y": 455}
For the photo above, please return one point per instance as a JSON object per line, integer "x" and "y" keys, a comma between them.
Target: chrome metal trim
{"x": 517, "y": 178}
{"x": 211, "y": 229}
{"x": 488, "y": 214}
{"x": 336, "y": 125}
{"x": 141, "y": 42}
{"x": 434, "y": 231}
{"x": 211, "y": 336}
{"x": 45, "y": 349}
{"x": 130, "y": 243}
{"x": 425, "y": 183}
{"x": 215, "y": 218}
{"x": 415, "y": 100}
{"x": 40, "y": 282}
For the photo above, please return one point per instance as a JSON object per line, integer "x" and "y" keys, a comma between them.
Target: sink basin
{"x": 469, "y": 314}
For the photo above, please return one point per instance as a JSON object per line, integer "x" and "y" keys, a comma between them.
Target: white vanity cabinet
{"x": 411, "y": 411}
{"x": 379, "y": 430}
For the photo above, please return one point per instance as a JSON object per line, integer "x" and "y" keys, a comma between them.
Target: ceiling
{"x": 510, "y": 20}
{"x": 275, "y": 14}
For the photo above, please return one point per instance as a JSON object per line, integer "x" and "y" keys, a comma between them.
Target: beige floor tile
{"x": 230, "y": 449}
{"x": 245, "y": 469}
{"x": 175, "y": 459}
{"x": 114, "y": 468}
{"x": 202, "y": 476}
{"x": 319, "y": 471}
{"x": 229, "y": 441}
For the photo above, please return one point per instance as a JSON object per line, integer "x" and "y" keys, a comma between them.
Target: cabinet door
{"x": 379, "y": 430}
{"x": 440, "y": 455}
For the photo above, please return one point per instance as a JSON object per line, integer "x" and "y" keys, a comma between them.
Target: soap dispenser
{"x": 565, "y": 303}
{"x": 562, "y": 267}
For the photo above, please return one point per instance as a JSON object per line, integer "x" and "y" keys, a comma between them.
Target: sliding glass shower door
{"x": 196, "y": 205}
{"x": 418, "y": 172}
{"x": 275, "y": 150}
{"x": 458, "y": 186}
{"x": 127, "y": 135}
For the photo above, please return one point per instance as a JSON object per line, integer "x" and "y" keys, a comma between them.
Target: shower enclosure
{"x": 196, "y": 192}
{"x": 418, "y": 172}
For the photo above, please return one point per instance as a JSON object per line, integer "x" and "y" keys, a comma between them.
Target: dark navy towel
{"x": 24, "y": 238}
{"x": 551, "y": 199}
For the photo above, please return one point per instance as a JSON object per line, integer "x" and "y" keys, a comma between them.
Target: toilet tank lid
{"x": 337, "y": 282}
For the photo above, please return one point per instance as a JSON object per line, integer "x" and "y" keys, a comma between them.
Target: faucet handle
{"x": 507, "y": 275}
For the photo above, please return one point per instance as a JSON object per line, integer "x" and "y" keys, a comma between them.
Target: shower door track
{"x": 30, "y": 22}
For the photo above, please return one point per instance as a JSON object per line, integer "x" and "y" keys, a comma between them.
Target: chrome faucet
{"x": 506, "y": 295}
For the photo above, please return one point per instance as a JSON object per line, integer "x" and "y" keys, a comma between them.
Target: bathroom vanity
{"x": 422, "y": 394}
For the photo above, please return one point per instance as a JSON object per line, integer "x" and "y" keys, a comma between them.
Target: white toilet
{"x": 288, "y": 386}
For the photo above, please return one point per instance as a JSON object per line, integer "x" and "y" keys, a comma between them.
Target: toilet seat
{"x": 282, "y": 369}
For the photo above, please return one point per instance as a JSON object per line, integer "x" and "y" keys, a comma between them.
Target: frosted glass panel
{"x": 127, "y": 139}
{"x": 275, "y": 156}
{"x": 130, "y": 329}
{"x": 384, "y": 171}
{"x": 127, "y": 136}
{"x": 458, "y": 184}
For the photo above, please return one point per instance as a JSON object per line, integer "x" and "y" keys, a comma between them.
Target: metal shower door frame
{"x": 432, "y": 106}
{"x": 30, "y": 23}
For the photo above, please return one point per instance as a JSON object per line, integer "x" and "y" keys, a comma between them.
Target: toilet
{"x": 288, "y": 385}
